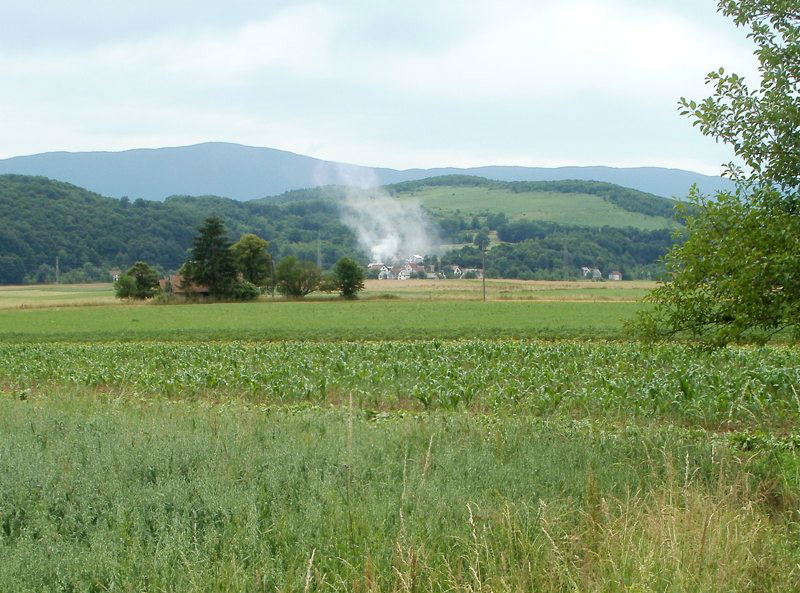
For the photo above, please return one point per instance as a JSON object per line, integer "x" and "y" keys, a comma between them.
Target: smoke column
{"x": 386, "y": 228}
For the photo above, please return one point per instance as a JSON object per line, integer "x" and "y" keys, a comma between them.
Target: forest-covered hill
{"x": 90, "y": 233}
{"x": 43, "y": 219}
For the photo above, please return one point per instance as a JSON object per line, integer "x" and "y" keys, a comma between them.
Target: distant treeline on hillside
{"x": 90, "y": 234}
{"x": 535, "y": 250}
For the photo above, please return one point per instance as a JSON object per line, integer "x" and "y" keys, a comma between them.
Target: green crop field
{"x": 619, "y": 380}
{"x": 320, "y": 320}
{"x": 574, "y": 209}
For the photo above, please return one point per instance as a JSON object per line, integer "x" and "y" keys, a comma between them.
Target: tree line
{"x": 241, "y": 271}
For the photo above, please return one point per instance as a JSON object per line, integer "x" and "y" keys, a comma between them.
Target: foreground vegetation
{"x": 110, "y": 492}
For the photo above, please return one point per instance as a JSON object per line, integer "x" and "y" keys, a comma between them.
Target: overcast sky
{"x": 411, "y": 83}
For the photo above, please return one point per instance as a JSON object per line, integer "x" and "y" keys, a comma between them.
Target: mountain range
{"x": 247, "y": 172}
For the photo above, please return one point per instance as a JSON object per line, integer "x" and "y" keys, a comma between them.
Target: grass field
{"x": 415, "y": 309}
{"x": 71, "y": 295}
{"x": 502, "y": 290}
{"x": 575, "y": 209}
{"x": 15, "y": 297}
{"x": 325, "y": 320}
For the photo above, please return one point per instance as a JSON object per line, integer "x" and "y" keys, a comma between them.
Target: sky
{"x": 417, "y": 83}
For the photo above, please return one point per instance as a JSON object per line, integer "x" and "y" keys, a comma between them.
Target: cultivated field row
{"x": 729, "y": 387}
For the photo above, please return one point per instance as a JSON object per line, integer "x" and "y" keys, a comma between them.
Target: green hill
{"x": 578, "y": 203}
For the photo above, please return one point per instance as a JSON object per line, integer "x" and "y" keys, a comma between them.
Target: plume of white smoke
{"x": 386, "y": 228}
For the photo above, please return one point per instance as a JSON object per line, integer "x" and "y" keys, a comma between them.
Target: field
{"x": 325, "y": 320}
{"x": 574, "y": 209}
{"x": 16, "y": 297}
{"x": 388, "y": 309}
{"x": 423, "y": 442}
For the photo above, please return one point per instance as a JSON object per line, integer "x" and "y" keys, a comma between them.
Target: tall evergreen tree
{"x": 211, "y": 262}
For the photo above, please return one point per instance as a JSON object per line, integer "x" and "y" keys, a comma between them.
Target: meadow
{"x": 410, "y": 442}
{"x": 329, "y": 319}
{"x": 55, "y": 295}
{"x": 572, "y": 209}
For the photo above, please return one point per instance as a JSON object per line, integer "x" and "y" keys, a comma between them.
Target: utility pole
{"x": 272, "y": 279}
{"x": 56, "y": 269}
{"x": 483, "y": 272}
{"x": 319, "y": 253}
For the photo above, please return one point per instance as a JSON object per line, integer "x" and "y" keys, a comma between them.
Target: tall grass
{"x": 114, "y": 494}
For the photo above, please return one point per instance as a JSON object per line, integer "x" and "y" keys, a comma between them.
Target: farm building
{"x": 174, "y": 284}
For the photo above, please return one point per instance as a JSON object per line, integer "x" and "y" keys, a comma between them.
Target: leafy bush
{"x": 245, "y": 291}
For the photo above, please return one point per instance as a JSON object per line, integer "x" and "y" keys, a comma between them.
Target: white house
{"x": 615, "y": 275}
{"x": 455, "y": 270}
{"x": 404, "y": 274}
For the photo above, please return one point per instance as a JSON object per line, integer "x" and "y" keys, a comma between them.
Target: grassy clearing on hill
{"x": 564, "y": 208}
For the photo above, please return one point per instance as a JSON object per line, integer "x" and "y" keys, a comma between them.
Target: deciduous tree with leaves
{"x": 139, "y": 282}
{"x": 296, "y": 278}
{"x": 737, "y": 275}
{"x": 349, "y": 277}
{"x": 252, "y": 259}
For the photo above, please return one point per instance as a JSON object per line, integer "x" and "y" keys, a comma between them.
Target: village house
{"x": 453, "y": 271}
{"x": 615, "y": 275}
{"x": 174, "y": 284}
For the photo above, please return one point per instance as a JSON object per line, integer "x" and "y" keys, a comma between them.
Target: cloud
{"x": 352, "y": 80}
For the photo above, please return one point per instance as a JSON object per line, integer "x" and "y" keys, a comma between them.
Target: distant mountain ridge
{"x": 247, "y": 172}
